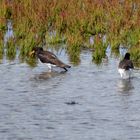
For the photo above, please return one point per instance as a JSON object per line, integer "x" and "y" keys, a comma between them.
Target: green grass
{"x": 74, "y": 22}
{"x": 10, "y": 49}
{"x": 1, "y": 49}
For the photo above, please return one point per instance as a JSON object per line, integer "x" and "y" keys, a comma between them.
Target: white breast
{"x": 125, "y": 74}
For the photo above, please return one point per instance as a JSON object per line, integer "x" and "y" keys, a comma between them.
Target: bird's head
{"x": 35, "y": 50}
{"x": 127, "y": 56}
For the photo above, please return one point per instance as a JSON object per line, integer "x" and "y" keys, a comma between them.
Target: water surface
{"x": 36, "y": 104}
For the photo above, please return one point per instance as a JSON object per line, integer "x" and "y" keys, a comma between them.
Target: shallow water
{"x": 37, "y": 105}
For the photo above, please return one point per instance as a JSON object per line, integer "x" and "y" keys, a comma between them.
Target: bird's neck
{"x": 126, "y": 59}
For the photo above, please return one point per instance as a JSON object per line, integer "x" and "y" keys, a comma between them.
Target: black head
{"x": 37, "y": 49}
{"x": 127, "y": 56}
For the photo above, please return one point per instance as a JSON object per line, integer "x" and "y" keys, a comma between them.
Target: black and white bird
{"x": 125, "y": 67}
{"x": 49, "y": 58}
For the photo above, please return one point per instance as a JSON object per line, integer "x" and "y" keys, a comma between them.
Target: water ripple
{"x": 88, "y": 102}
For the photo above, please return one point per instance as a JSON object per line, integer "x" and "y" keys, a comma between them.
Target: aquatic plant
{"x": 74, "y": 47}
{"x": 1, "y": 49}
{"x": 73, "y": 22}
{"x": 31, "y": 61}
{"x": 10, "y": 49}
{"x": 2, "y": 19}
{"x": 135, "y": 53}
{"x": 99, "y": 50}
{"x": 54, "y": 38}
{"x": 26, "y": 45}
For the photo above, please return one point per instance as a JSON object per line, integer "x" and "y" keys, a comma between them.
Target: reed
{"x": 74, "y": 48}
{"x": 74, "y": 22}
{"x": 26, "y": 45}
{"x": 135, "y": 53}
{"x": 31, "y": 61}
{"x": 10, "y": 49}
{"x": 2, "y": 19}
{"x": 99, "y": 50}
{"x": 1, "y": 49}
{"x": 54, "y": 38}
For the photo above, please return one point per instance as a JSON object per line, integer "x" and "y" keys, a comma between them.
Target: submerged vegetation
{"x": 71, "y": 22}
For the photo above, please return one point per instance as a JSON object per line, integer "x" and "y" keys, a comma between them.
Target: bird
{"x": 125, "y": 67}
{"x": 48, "y": 57}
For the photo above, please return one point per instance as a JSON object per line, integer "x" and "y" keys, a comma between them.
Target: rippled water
{"x": 36, "y": 104}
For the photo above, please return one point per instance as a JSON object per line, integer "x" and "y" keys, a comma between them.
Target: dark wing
{"x": 126, "y": 64}
{"x": 48, "y": 57}
{"x": 50, "y": 54}
{"x": 130, "y": 64}
{"x": 43, "y": 58}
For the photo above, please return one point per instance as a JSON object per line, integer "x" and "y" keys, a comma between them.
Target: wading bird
{"x": 125, "y": 66}
{"x": 49, "y": 58}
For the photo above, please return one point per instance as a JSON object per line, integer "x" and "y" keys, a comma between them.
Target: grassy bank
{"x": 74, "y": 22}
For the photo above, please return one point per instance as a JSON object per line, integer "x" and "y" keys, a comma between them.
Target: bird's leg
{"x": 65, "y": 69}
{"x": 50, "y": 67}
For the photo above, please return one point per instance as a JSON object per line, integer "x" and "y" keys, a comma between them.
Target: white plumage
{"x": 125, "y": 74}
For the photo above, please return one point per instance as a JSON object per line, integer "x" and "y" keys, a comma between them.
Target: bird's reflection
{"x": 48, "y": 75}
{"x": 125, "y": 85}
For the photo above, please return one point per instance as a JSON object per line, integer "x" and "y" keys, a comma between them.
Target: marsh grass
{"x": 31, "y": 61}
{"x": 1, "y": 49}
{"x": 10, "y": 49}
{"x": 74, "y": 54}
{"x": 54, "y": 38}
{"x": 135, "y": 54}
{"x": 99, "y": 50}
{"x": 74, "y": 47}
{"x": 73, "y": 22}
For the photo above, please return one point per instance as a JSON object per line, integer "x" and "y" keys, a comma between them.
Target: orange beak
{"x": 31, "y": 53}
